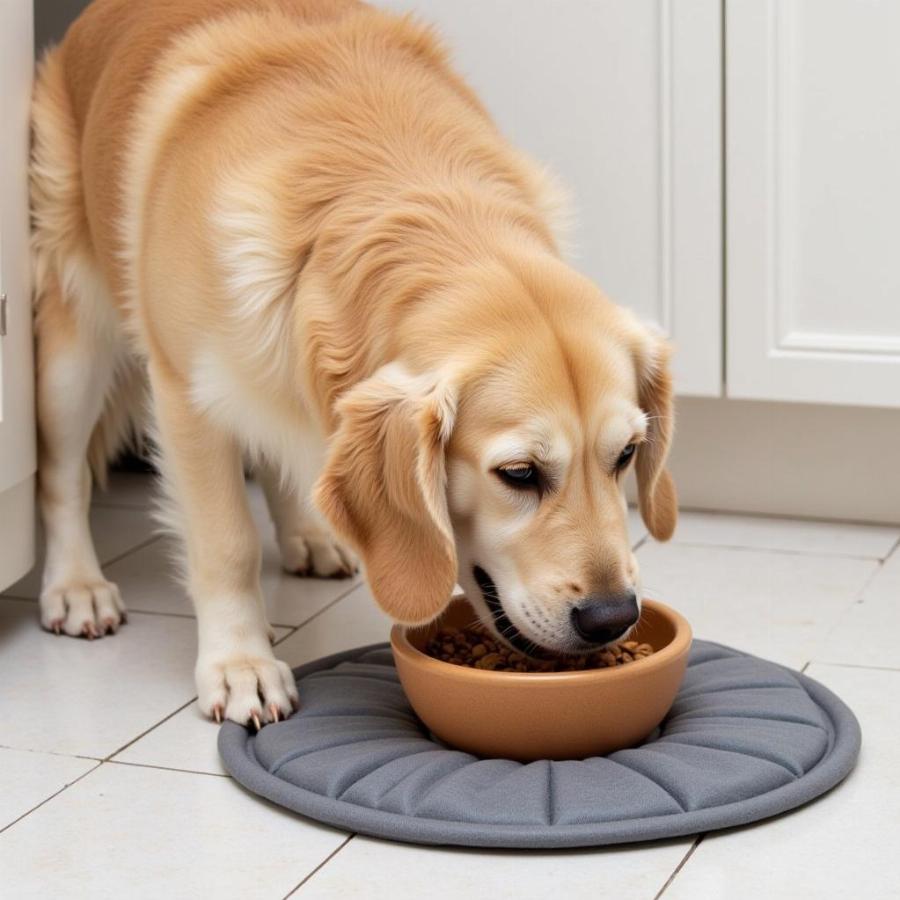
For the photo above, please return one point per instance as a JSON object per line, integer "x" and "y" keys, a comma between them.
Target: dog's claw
{"x": 57, "y": 627}
{"x": 89, "y": 631}
{"x": 256, "y": 721}
{"x": 273, "y": 709}
{"x": 217, "y": 713}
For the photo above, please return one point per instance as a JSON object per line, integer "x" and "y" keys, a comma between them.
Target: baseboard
{"x": 17, "y": 510}
{"x": 791, "y": 459}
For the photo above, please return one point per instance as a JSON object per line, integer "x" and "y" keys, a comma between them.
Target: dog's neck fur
{"x": 376, "y": 296}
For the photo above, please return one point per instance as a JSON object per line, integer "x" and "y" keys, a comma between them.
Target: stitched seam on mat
{"x": 774, "y": 762}
{"x": 660, "y": 785}
{"x": 746, "y": 687}
{"x": 431, "y": 787}
{"x": 396, "y": 784}
{"x": 345, "y": 785}
{"x": 299, "y": 754}
{"x": 407, "y": 718}
{"x": 712, "y": 659}
{"x": 737, "y": 715}
{"x": 551, "y": 818}
{"x": 337, "y": 673}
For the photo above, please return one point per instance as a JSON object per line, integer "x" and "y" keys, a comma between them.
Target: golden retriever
{"x": 288, "y": 231}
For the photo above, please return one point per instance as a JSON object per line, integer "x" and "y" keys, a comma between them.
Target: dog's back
{"x": 90, "y": 86}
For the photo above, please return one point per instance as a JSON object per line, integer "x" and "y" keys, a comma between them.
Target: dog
{"x": 286, "y": 231}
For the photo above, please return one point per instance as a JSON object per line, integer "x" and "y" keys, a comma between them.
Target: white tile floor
{"x": 110, "y": 785}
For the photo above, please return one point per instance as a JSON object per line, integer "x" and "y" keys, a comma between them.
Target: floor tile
{"x": 188, "y": 740}
{"x": 69, "y": 695}
{"x": 403, "y": 872}
{"x": 127, "y": 831}
{"x": 352, "y": 622}
{"x": 115, "y": 531}
{"x": 148, "y": 583}
{"x": 775, "y": 605}
{"x": 28, "y": 778}
{"x": 793, "y": 535}
{"x": 867, "y": 633}
{"x": 132, "y": 490}
{"x": 842, "y": 845}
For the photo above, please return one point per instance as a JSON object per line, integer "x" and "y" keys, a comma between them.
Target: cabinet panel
{"x": 17, "y": 432}
{"x": 623, "y": 101}
{"x": 813, "y": 199}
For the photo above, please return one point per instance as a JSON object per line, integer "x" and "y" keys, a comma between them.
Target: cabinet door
{"x": 622, "y": 99}
{"x": 813, "y": 188}
{"x": 17, "y": 442}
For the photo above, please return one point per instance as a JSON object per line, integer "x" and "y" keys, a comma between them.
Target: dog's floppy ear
{"x": 657, "y": 496}
{"x": 383, "y": 489}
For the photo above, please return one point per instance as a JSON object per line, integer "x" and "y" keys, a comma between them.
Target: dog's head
{"x": 503, "y": 470}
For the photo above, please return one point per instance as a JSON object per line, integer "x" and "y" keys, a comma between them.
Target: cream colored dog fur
{"x": 286, "y": 231}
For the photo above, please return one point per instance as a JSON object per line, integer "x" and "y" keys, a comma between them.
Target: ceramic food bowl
{"x": 546, "y": 715}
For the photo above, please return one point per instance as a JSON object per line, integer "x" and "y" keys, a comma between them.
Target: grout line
{"x": 893, "y": 550}
{"x": 680, "y": 865}
{"x": 103, "y": 564}
{"x": 846, "y": 665}
{"x": 822, "y": 554}
{"x": 291, "y": 633}
{"x": 321, "y": 864}
{"x": 151, "y": 540}
{"x": 51, "y": 753}
{"x": 640, "y": 543}
{"x": 319, "y": 612}
{"x": 158, "y": 612}
{"x": 65, "y": 787}
{"x": 806, "y": 665}
{"x": 137, "y": 765}
{"x": 134, "y": 740}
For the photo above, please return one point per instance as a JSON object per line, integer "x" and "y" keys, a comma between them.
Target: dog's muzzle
{"x": 504, "y": 626}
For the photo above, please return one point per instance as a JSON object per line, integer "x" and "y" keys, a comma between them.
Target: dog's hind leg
{"x": 75, "y": 368}
{"x": 306, "y": 543}
{"x": 77, "y": 336}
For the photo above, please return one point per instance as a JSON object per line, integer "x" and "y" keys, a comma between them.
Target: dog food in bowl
{"x": 558, "y": 714}
{"x": 474, "y": 647}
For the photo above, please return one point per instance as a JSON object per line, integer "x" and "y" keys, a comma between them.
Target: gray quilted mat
{"x": 745, "y": 739}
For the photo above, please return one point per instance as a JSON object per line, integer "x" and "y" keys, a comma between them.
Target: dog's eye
{"x": 520, "y": 476}
{"x": 625, "y": 456}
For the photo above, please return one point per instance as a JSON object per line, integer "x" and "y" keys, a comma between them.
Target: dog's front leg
{"x": 237, "y": 673}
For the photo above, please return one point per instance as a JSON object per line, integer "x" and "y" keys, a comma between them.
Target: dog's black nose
{"x": 599, "y": 620}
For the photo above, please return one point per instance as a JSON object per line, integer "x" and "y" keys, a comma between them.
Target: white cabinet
{"x": 813, "y": 200}
{"x": 17, "y": 441}
{"x": 623, "y": 101}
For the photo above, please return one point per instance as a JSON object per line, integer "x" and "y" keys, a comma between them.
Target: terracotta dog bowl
{"x": 544, "y": 715}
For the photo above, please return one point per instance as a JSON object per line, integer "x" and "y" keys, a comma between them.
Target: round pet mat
{"x": 745, "y": 739}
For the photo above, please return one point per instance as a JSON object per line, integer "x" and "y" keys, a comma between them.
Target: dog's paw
{"x": 247, "y": 689}
{"x": 88, "y": 609}
{"x": 317, "y": 554}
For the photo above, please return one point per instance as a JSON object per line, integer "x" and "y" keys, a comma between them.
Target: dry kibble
{"x": 475, "y": 648}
